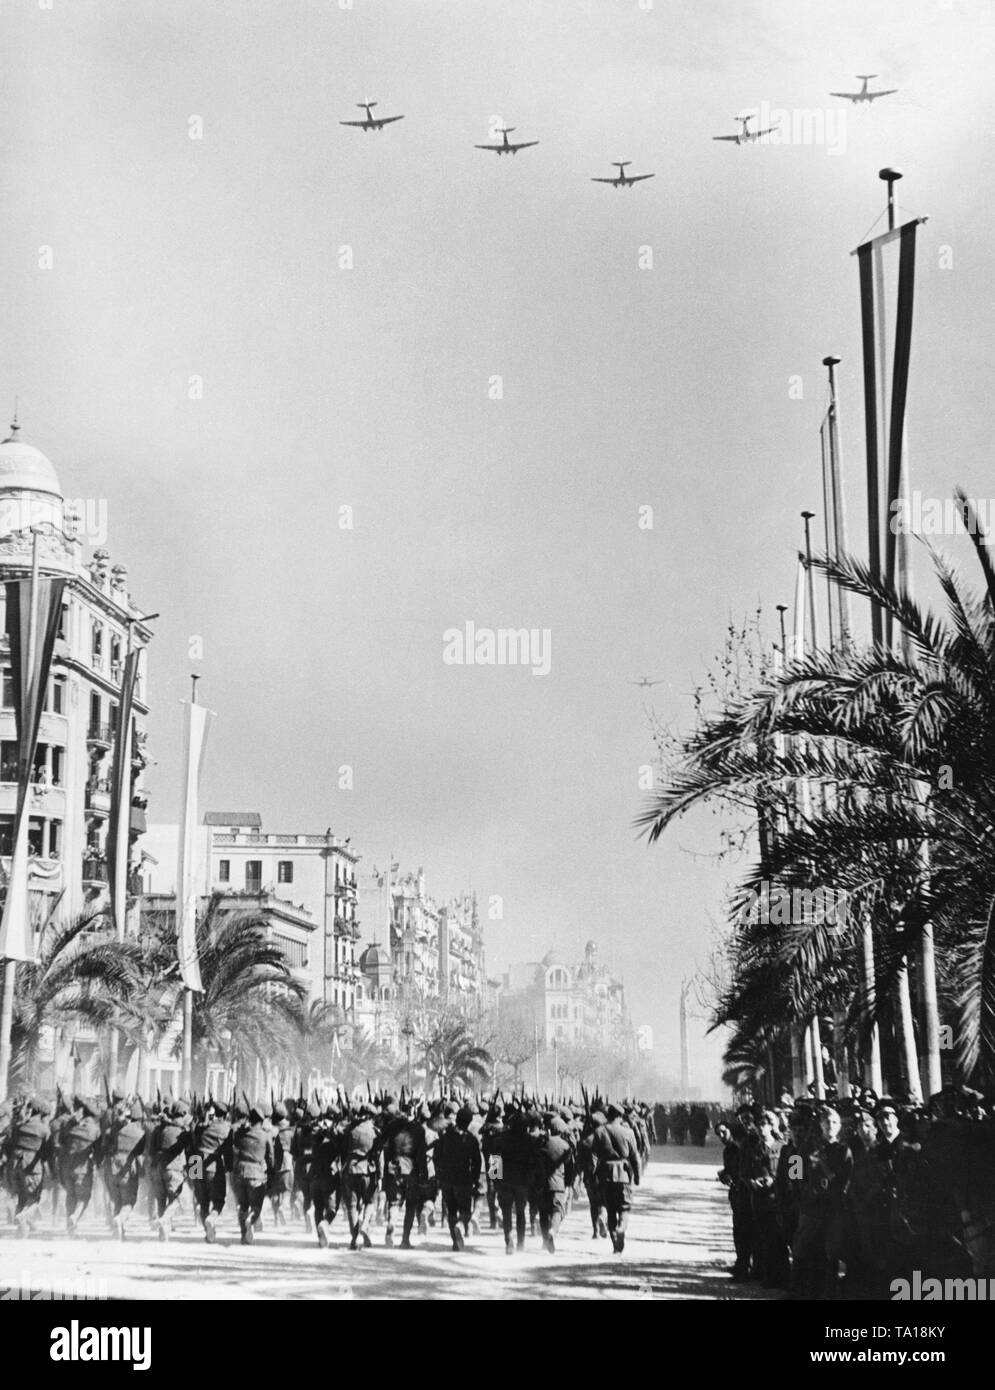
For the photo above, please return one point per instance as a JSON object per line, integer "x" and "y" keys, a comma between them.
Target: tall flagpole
{"x": 10, "y": 965}
{"x": 187, "y": 1072}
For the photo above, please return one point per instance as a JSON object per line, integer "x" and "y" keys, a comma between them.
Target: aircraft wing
{"x": 496, "y": 148}
{"x": 847, "y": 96}
{"x": 604, "y": 180}
{"x": 890, "y": 93}
{"x": 386, "y": 120}
{"x": 527, "y": 144}
{"x": 634, "y": 178}
{"x": 361, "y": 124}
{"x": 726, "y": 137}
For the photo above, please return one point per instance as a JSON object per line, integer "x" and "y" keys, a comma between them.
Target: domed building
{"x": 70, "y": 794}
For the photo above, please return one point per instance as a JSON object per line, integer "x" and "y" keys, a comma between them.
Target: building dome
{"x": 23, "y": 468}
{"x": 375, "y": 957}
{"x": 552, "y": 958}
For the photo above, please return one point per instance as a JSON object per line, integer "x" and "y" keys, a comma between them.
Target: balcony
{"x": 98, "y": 796}
{"x": 94, "y": 871}
{"x": 100, "y": 735}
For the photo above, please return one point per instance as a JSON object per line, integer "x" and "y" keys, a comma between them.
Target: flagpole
{"x": 187, "y": 991}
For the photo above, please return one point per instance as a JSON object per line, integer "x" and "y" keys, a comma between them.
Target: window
{"x": 63, "y": 620}
{"x": 294, "y": 952}
{"x": 56, "y": 703}
{"x": 55, "y": 839}
{"x": 95, "y": 710}
{"x": 8, "y": 761}
{"x": 359, "y": 992}
{"x": 97, "y": 645}
{"x": 224, "y": 870}
{"x": 6, "y": 834}
{"x": 253, "y": 875}
{"x": 8, "y": 688}
{"x": 285, "y": 871}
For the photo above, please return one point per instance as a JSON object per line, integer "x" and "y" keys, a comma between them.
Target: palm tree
{"x": 452, "y": 1057}
{"x": 364, "y": 1060}
{"x": 81, "y": 975}
{"x": 320, "y": 1026}
{"x": 900, "y": 749}
{"x": 249, "y": 1008}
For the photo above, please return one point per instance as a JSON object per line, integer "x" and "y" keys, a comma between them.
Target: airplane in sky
{"x": 644, "y": 683}
{"x": 744, "y": 136}
{"x": 505, "y": 147}
{"x": 864, "y": 94}
{"x": 623, "y": 180}
{"x": 372, "y": 122}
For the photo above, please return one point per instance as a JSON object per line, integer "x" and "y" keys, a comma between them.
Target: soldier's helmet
{"x": 180, "y": 1110}
{"x": 258, "y": 1111}
{"x": 279, "y": 1111}
{"x": 464, "y": 1117}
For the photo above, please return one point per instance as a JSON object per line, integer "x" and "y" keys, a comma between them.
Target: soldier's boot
{"x": 23, "y": 1225}
{"x": 548, "y": 1243}
{"x": 308, "y": 1224}
{"x": 457, "y": 1235}
{"x": 602, "y": 1227}
{"x": 509, "y": 1245}
{"x": 163, "y": 1227}
{"x": 210, "y": 1229}
{"x": 388, "y": 1236}
{"x": 71, "y": 1223}
{"x": 366, "y": 1238}
{"x": 323, "y": 1235}
{"x": 423, "y": 1225}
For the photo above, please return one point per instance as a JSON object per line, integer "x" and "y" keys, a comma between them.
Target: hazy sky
{"x": 368, "y": 387}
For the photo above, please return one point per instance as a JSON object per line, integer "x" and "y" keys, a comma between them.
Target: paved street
{"x": 679, "y": 1246}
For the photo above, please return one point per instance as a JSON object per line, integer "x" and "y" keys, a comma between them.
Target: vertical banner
{"x": 195, "y": 740}
{"x": 119, "y": 821}
{"x": 31, "y": 647}
{"x": 887, "y": 291}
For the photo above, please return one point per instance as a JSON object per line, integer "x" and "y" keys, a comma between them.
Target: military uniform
{"x": 613, "y": 1146}
{"x": 167, "y": 1148}
{"x": 360, "y": 1148}
{"x": 515, "y": 1171}
{"x": 556, "y": 1167}
{"x": 251, "y": 1170}
{"x": 76, "y": 1159}
{"x": 30, "y": 1149}
{"x": 122, "y": 1149}
{"x": 821, "y": 1238}
{"x": 404, "y": 1172}
{"x": 458, "y": 1165}
{"x": 210, "y": 1158}
{"x": 282, "y": 1183}
{"x": 302, "y": 1148}
{"x": 325, "y": 1172}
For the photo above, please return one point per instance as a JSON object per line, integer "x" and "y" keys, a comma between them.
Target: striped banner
{"x": 887, "y": 290}
{"x": 195, "y": 740}
{"x": 119, "y": 821}
{"x": 29, "y": 671}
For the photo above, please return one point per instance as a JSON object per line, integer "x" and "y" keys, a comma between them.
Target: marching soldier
{"x": 122, "y": 1149}
{"x": 167, "y": 1149}
{"x": 325, "y": 1171}
{"x": 30, "y": 1149}
{"x": 556, "y": 1168}
{"x": 515, "y": 1171}
{"x": 614, "y": 1148}
{"x": 492, "y": 1127}
{"x": 211, "y": 1156}
{"x": 404, "y": 1171}
{"x": 457, "y": 1167}
{"x": 252, "y": 1169}
{"x": 283, "y": 1173}
{"x": 76, "y": 1159}
{"x": 361, "y": 1145}
{"x": 302, "y": 1148}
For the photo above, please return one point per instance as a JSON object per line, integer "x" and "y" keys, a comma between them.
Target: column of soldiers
{"x": 397, "y": 1163}
{"x": 840, "y": 1198}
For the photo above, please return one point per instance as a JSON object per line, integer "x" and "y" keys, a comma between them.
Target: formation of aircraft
{"x": 505, "y": 147}
{"x": 864, "y": 94}
{"x": 744, "y": 136}
{"x": 371, "y": 122}
{"x": 622, "y": 179}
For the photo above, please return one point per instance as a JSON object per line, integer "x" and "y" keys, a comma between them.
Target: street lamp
{"x": 408, "y": 1033}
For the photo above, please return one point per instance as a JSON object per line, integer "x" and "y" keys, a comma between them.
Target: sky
{"x": 691, "y": 385}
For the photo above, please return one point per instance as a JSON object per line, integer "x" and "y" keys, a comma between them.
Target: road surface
{"x": 678, "y": 1246}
